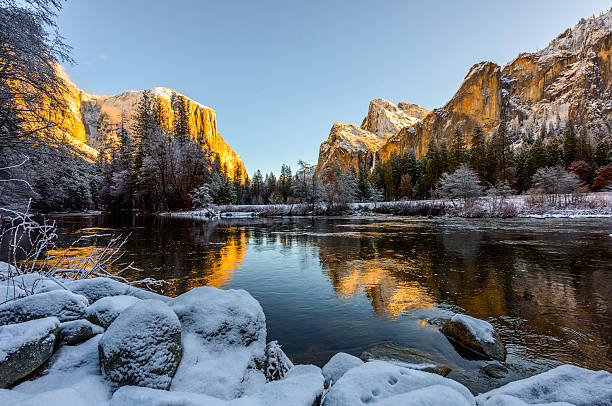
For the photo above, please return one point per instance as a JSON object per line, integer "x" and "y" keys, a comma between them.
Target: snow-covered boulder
{"x": 277, "y": 364}
{"x": 375, "y": 381}
{"x": 224, "y": 340}
{"x": 302, "y": 389}
{"x": 95, "y": 289}
{"x": 142, "y": 346}
{"x": 104, "y": 311}
{"x": 430, "y": 395}
{"x": 62, "y": 304}
{"x": 338, "y": 365}
{"x": 76, "y": 331}
{"x": 567, "y": 383}
{"x": 72, "y": 377}
{"x": 24, "y": 347}
{"x": 476, "y": 335}
{"x": 405, "y": 357}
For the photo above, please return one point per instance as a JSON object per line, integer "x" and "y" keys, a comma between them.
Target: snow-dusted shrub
{"x": 31, "y": 267}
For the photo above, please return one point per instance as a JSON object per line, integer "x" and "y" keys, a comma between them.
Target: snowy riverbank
{"x": 588, "y": 205}
{"x": 101, "y": 342}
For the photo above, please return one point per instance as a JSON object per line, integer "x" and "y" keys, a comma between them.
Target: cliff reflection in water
{"x": 349, "y": 283}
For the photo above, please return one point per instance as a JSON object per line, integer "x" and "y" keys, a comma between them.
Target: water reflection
{"x": 342, "y": 284}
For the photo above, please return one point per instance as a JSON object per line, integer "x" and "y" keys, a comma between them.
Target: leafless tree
{"x": 463, "y": 184}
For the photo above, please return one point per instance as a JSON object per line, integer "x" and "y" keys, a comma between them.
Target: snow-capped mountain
{"x": 536, "y": 93}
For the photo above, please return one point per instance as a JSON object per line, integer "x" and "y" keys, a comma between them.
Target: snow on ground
{"x": 567, "y": 383}
{"x": 338, "y": 365}
{"x": 105, "y": 310}
{"x": 482, "y": 330}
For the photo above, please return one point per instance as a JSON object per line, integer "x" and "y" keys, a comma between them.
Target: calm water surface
{"x": 347, "y": 284}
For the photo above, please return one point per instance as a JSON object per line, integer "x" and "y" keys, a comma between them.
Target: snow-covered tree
{"x": 555, "y": 181}
{"x": 463, "y": 184}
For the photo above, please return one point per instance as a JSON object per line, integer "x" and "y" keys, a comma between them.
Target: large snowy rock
{"x": 338, "y": 365}
{"x": 303, "y": 388}
{"x": 567, "y": 383}
{"x": 224, "y": 340}
{"x": 104, "y": 311}
{"x": 476, "y": 335}
{"x": 76, "y": 331}
{"x": 405, "y": 357}
{"x": 142, "y": 346}
{"x": 95, "y": 289}
{"x": 62, "y": 304}
{"x": 10, "y": 291}
{"x": 24, "y": 347}
{"x": 73, "y": 377}
{"x": 379, "y": 381}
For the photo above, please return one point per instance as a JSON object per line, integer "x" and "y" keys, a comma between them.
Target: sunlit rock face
{"x": 92, "y": 120}
{"x": 350, "y": 146}
{"x": 570, "y": 78}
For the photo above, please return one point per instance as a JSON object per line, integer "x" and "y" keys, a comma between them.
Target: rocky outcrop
{"x": 536, "y": 92}
{"x": 24, "y": 347}
{"x": 476, "y": 335}
{"x": 142, "y": 347}
{"x": 351, "y": 147}
{"x": 76, "y": 331}
{"x": 105, "y": 310}
{"x": 61, "y": 303}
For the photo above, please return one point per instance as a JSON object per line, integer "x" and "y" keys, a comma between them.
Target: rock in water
{"x": 567, "y": 383}
{"x": 338, "y": 365}
{"x": 224, "y": 341}
{"x": 277, "y": 363}
{"x": 24, "y": 347}
{"x": 104, "y": 311}
{"x": 495, "y": 370}
{"x": 76, "y": 331}
{"x": 142, "y": 347}
{"x": 61, "y": 303}
{"x": 383, "y": 383}
{"x": 476, "y": 335}
{"x": 405, "y": 357}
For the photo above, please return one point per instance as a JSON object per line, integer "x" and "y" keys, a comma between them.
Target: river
{"x": 349, "y": 283}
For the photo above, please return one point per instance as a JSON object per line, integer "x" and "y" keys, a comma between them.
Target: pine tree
{"x": 364, "y": 189}
{"x": 602, "y": 154}
{"x": 583, "y": 148}
{"x": 181, "y": 118}
{"x": 569, "y": 143}
{"x": 284, "y": 182}
{"x": 432, "y": 164}
{"x": 458, "y": 153}
{"x": 502, "y": 152}
{"x": 478, "y": 152}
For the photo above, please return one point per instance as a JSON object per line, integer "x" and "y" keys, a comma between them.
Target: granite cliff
{"x": 536, "y": 93}
{"x": 90, "y": 120}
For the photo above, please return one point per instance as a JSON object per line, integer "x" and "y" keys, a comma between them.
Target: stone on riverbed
{"x": 406, "y": 358}
{"x": 476, "y": 335}
{"x": 224, "y": 340}
{"x": 567, "y": 383}
{"x": 381, "y": 382}
{"x": 338, "y": 365}
{"x": 24, "y": 347}
{"x": 105, "y": 310}
{"x": 62, "y": 304}
{"x": 76, "y": 331}
{"x": 142, "y": 346}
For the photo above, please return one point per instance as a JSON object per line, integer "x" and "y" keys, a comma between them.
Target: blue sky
{"x": 280, "y": 73}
